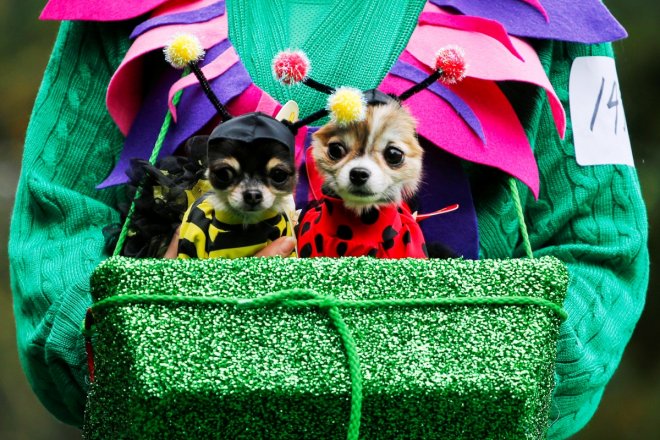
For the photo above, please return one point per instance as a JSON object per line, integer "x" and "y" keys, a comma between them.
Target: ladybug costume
{"x": 328, "y": 229}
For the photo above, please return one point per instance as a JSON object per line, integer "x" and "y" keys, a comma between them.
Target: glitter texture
{"x": 172, "y": 370}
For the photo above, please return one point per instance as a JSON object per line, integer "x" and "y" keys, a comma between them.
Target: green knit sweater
{"x": 593, "y": 218}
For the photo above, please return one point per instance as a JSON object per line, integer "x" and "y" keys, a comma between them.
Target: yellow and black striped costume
{"x": 207, "y": 233}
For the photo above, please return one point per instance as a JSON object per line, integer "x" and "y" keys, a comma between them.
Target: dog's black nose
{"x": 252, "y": 197}
{"x": 359, "y": 176}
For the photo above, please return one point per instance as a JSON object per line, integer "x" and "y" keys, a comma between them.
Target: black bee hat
{"x": 254, "y": 126}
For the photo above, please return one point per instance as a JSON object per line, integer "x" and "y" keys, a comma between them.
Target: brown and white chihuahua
{"x": 371, "y": 163}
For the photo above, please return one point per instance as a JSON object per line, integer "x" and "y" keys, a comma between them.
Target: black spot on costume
{"x": 335, "y": 231}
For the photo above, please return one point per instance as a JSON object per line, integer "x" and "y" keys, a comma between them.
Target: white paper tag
{"x": 599, "y": 122}
{"x": 289, "y": 111}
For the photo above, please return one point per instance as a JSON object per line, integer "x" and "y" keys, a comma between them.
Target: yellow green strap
{"x": 513, "y": 185}
{"x": 152, "y": 160}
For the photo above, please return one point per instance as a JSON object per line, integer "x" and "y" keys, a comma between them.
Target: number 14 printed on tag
{"x": 600, "y": 132}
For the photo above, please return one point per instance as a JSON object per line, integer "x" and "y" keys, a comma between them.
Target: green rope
{"x": 310, "y": 298}
{"x": 355, "y": 372}
{"x": 513, "y": 185}
{"x": 152, "y": 160}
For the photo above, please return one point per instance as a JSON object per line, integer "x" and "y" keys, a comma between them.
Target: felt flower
{"x": 472, "y": 120}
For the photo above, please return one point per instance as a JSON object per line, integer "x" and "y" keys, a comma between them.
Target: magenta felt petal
{"x": 539, "y": 7}
{"x": 124, "y": 92}
{"x": 98, "y": 10}
{"x": 417, "y": 74}
{"x": 180, "y": 6}
{"x": 488, "y": 59}
{"x": 508, "y": 148}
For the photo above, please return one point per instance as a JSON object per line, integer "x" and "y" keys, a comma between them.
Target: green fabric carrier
{"x": 323, "y": 348}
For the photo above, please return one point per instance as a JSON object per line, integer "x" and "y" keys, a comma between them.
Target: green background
{"x": 631, "y": 405}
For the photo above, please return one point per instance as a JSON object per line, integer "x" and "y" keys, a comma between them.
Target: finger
{"x": 281, "y": 247}
{"x": 173, "y": 248}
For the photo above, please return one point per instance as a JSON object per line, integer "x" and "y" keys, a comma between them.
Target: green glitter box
{"x": 376, "y": 349}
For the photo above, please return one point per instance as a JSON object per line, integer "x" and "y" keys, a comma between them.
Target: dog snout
{"x": 359, "y": 176}
{"x": 252, "y": 197}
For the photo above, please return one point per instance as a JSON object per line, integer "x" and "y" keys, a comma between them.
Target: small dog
{"x": 373, "y": 163}
{"x": 369, "y": 168}
{"x": 252, "y": 172}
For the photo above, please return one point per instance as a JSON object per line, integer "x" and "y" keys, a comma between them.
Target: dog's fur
{"x": 365, "y": 146}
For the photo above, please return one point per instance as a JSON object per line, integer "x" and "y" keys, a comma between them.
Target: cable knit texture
{"x": 593, "y": 218}
{"x": 55, "y": 239}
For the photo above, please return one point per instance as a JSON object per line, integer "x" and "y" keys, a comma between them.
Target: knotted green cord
{"x": 513, "y": 185}
{"x": 152, "y": 160}
{"x": 311, "y": 298}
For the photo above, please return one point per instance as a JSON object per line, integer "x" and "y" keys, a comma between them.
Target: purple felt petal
{"x": 195, "y": 110}
{"x": 585, "y": 21}
{"x": 413, "y": 74}
{"x": 142, "y": 136}
{"x": 189, "y": 17}
{"x": 445, "y": 183}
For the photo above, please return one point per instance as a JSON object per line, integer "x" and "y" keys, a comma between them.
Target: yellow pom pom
{"x": 347, "y": 105}
{"x": 182, "y": 50}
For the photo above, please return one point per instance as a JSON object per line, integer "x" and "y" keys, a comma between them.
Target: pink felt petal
{"x": 97, "y": 10}
{"x": 268, "y": 105}
{"x": 212, "y": 70}
{"x": 488, "y": 59}
{"x": 124, "y": 92}
{"x": 474, "y": 24}
{"x": 508, "y": 148}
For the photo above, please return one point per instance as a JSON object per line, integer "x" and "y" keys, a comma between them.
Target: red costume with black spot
{"x": 328, "y": 229}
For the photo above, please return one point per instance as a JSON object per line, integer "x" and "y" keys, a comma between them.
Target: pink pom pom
{"x": 450, "y": 61}
{"x": 291, "y": 67}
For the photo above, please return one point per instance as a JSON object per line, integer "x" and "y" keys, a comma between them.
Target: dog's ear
{"x": 196, "y": 148}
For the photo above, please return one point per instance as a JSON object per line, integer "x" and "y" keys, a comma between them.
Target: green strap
{"x": 152, "y": 160}
{"x": 311, "y": 298}
{"x": 513, "y": 185}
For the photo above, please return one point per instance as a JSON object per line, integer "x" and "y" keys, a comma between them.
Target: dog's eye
{"x": 336, "y": 150}
{"x": 393, "y": 156}
{"x": 278, "y": 175}
{"x": 224, "y": 175}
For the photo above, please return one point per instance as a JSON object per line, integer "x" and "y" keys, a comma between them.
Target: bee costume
{"x": 209, "y": 233}
{"x": 592, "y": 218}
